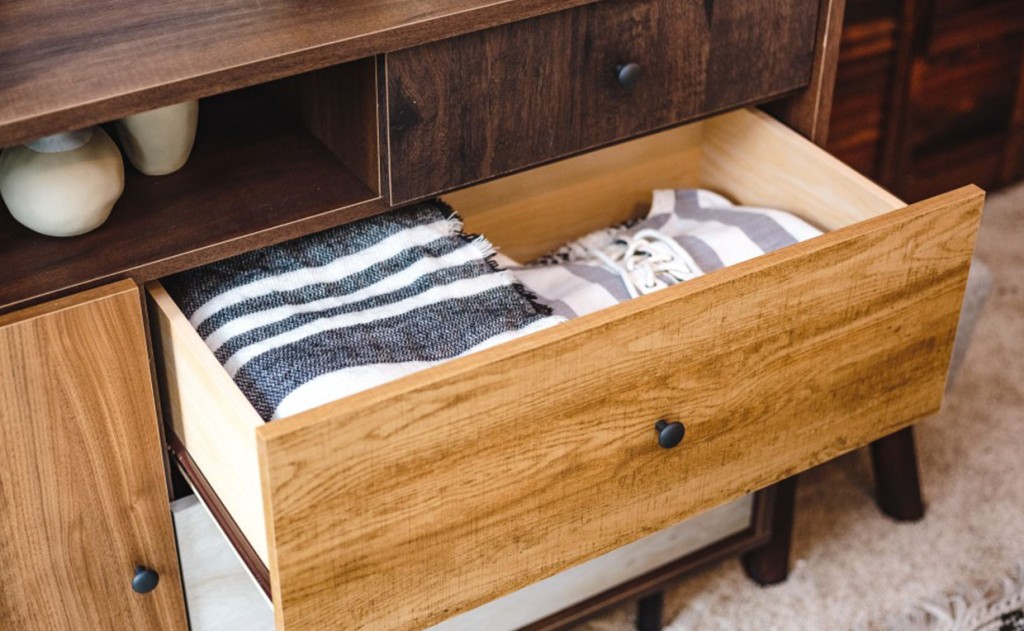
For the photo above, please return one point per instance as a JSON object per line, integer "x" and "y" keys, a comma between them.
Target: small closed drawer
{"x": 407, "y": 504}
{"x": 470, "y": 108}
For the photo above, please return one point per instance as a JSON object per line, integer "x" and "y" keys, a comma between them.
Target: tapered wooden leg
{"x": 769, "y": 564}
{"x": 649, "y": 611}
{"x": 897, "y": 485}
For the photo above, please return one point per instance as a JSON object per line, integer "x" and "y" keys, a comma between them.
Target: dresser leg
{"x": 897, "y": 485}
{"x": 769, "y": 564}
{"x": 648, "y": 612}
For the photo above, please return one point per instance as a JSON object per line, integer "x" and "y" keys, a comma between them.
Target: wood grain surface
{"x": 756, "y": 160}
{"x": 83, "y": 498}
{"x": 65, "y": 66}
{"x": 255, "y": 177}
{"x": 662, "y": 577}
{"x": 958, "y": 121}
{"x": 550, "y": 457}
{"x": 864, "y": 83}
{"x": 482, "y": 105}
{"x": 534, "y": 212}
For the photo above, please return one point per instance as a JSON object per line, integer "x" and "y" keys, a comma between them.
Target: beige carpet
{"x": 852, "y": 565}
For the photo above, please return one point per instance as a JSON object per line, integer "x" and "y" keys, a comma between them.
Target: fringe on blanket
{"x": 488, "y": 251}
{"x": 994, "y": 607}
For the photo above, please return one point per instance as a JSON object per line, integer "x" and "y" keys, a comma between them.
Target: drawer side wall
{"x": 209, "y": 417}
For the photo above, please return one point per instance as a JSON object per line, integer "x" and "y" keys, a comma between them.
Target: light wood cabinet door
{"x": 83, "y": 499}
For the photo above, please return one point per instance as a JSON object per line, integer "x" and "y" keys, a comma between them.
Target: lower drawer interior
{"x": 219, "y": 591}
{"x": 222, "y": 595}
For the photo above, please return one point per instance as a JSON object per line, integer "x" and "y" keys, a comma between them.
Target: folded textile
{"x": 315, "y": 319}
{"x": 686, "y": 233}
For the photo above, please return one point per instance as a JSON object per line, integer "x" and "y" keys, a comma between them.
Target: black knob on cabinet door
{"x": 669, "y": 434}
{"x": 145, "y": 580}
{"x": 628, "y": 74}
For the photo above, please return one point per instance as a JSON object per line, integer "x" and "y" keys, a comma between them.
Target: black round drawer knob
{"x": 669, "y": 434}
{"x": 628, "y": 74}
{"x": 145, "y": 580}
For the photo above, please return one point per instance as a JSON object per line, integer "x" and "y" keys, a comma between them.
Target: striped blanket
{"x": 686, "y": 233}
{"x": 315, "y": 319}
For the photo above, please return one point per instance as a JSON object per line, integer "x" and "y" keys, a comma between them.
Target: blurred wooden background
{"x": 930, "y": 93}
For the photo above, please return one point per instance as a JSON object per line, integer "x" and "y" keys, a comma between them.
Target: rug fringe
{"x": 967, "y": 609}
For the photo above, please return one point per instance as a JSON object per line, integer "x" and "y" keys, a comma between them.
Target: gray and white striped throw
{"x": 687, "y": 233}
{"x": 313, "y": 320}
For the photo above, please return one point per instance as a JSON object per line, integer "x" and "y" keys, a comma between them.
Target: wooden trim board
{"x": 809, "y": 110}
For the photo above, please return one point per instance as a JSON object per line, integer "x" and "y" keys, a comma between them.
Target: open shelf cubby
{"x": 269, "y": 163}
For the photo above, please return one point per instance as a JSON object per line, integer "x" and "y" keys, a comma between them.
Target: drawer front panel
{"x": 488, "y": 103}
{"x": 404, "y": 505}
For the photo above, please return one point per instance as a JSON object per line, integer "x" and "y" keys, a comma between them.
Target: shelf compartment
{"x": 256, "y": 176}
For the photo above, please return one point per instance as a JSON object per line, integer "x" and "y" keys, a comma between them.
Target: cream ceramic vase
{"x": 159, "y": 141}
{"x": 62, "y": 185}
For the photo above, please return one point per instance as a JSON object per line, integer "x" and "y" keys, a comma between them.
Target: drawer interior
{"x": 265, "y": 475}
{"x": 219, "y": 592}
{"x": 745, "y": 155}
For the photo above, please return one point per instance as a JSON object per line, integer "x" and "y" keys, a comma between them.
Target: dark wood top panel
{"x": 255, "y": 177}
{"x": 66, "y": 65}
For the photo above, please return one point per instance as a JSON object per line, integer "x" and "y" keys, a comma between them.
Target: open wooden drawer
{"x": 404, "y": 505}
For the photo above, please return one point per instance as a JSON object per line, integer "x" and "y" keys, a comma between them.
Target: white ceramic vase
{"x": 62, "y": 185}
{"x": 159, "y": 141}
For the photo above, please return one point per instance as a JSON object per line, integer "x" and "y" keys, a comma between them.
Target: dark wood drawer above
{"x": 471, "y": 108}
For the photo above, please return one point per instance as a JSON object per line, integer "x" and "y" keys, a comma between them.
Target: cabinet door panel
{"x": 83, "y": 499}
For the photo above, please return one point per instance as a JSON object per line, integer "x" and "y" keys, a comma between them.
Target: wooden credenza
{"x": 405, "y": 505}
